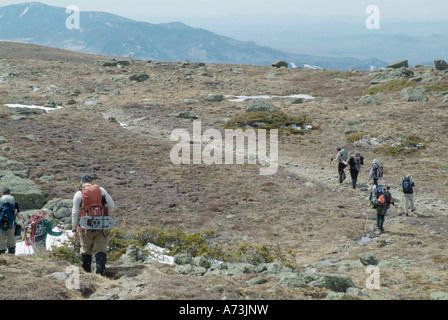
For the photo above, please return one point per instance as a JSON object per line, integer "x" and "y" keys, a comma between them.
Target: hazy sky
{"x": 185, "y": 10}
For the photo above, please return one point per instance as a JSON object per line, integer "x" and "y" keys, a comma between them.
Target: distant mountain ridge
{"x": 112, "y": 35}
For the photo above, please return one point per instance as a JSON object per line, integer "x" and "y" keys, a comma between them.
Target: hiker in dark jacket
{"x": 408, "y": 191}
{"x": 8, "y": 238}
{"x": 384, "y": 202}
{"x": 354, "y": 169}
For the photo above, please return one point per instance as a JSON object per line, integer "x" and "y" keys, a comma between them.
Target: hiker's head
{"x": 338, "y": 149}
{"x": 6, "y": 191}
{"x": 374, "y": 161}
{"x": 45, "y": 213}
{"x": 86, "y": 178}
{"x": 409, "y": 176}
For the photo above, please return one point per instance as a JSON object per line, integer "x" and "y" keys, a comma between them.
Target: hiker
{"x": 376, "y": 172}
{"x": 41, "y": 244}
{"x": 408, "y": 185}
{"x": 88, "y": 198}
{"x": 341, "y": 159}
{"x": 355, "y": 161}
{"x": 9, "y": 210}
{"x": 383, "y": 204}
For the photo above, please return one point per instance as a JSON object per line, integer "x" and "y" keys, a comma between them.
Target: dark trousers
{"x": 341, "y": 172}
{"x": 354, "y": 175}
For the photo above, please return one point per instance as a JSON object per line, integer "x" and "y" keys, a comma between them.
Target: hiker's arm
{"x": 19, "y": 215}
{"x": 50, "y": 231}
{"x": 76, "y": 209}
{"x": 109, "y": 200}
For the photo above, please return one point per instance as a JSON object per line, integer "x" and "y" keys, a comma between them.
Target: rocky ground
{"x": 116, "y": 122}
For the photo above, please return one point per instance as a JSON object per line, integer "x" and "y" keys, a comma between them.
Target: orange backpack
{"x": 92, "y": 202}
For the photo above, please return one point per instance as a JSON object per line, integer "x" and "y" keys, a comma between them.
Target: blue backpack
{"x": 407, "y": 188}
{"x": 7, "y": 210}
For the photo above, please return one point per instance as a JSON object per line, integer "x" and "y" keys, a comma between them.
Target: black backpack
{"x": 359, "y": 161}
{"x": 407, "y": 186}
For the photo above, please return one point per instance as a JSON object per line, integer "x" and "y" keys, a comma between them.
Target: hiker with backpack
{"x": 381, "y": 202}
{"x": 341, "y": 159}
{"x": 376, "y": 172}
{"x": 37, "y": 229}
{"x": 355, "y": 162}
{"x": 408, "y": 185}
{"x": 9, "y": 210}
{"x": 91, "y": 201}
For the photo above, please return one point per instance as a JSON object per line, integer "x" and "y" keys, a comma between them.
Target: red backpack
{"x": 34, "y": 230}
{"x": 92, "y": 202}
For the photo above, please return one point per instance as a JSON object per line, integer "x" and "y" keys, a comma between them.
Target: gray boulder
{"x": 369, "y": 100}
{"x": 106, "y": 63}
{"x": 334, "y": 282}
{"x": 440, "y": 64}
{"x": 336, "y": 296}
{"x": 260, "y": 105}
{"x": 25, "y": 191}
{"x": 382, "y": 76}
{"x": 204, "y": 261}
{"x": 185, "y": 115}
{"x": 132, "y": 255}
{"x": 188, "y": 269}
{"x": 439, "y": 295}
{"x": 417, "y": 94}
{"x": 183, "y": 259}
{"x": 280, "y": 63}
{"x": 140, "y": 77}
{"x": 369, "y": 259}
{"x": 215, "y": 98}
{"x": 293, "y": 101}
{"x": 292, "y": 280}
{"x": 398, "y": 64}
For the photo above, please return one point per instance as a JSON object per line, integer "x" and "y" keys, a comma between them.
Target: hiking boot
{"x": 2, "y": 251}
{"x": 86, "y": 262}
{"x": 12, "y": 250}
{"x": 413, "y": 209}
{"x": 100, "y": 259}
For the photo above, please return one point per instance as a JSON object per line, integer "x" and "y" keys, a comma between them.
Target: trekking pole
{"x": 367, "y": 218}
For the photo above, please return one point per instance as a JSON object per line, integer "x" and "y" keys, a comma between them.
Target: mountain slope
{"x": 107, "y": 34}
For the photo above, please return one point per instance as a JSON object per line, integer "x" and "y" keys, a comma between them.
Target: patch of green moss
{"x": 70, "y": 251}
{"x": 254, "y": 254}
{"x": 390, "y": 86}
{"x": 271, "y": 120}
{"x": 176, "y": 241}
{"x": 352, "y": 137}
{"x": 436, "y": 86}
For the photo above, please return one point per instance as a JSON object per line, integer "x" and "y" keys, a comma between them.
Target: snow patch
{"x": 155, "y": 253}
{"x": 32, "y": 107}
{"x": 22, "y": 249}
{"x": 26, "y": 10}
{"x": 244, "y": 98}
{"x": 313, "y": 67}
